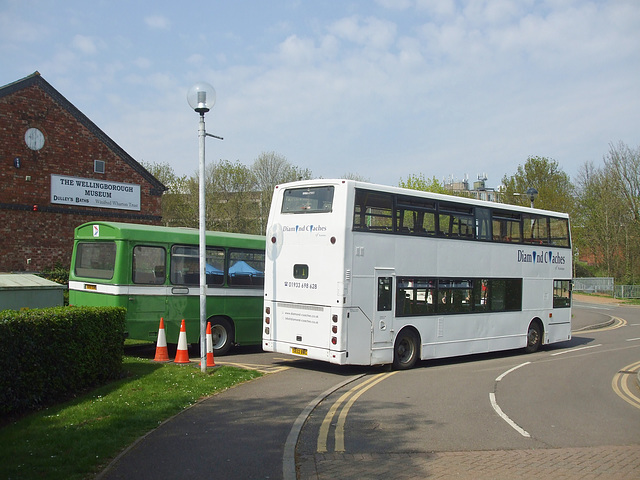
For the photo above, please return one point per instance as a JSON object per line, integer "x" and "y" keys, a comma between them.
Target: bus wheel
{"x": 534, "y": 337}
{"x": 221, "y": 335}
{"x": 405, "y": 350}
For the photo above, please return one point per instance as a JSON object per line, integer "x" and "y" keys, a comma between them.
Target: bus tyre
{"x": 534, "y": 337}
{"x": 221, "y": 335}
{"x": 405, "y": 350}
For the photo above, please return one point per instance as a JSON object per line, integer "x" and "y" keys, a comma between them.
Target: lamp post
{"x": 201, "y": 98}
{"x": 532, "y": 193}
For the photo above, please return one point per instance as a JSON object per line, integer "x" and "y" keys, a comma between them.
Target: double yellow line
{"x": 620, "y": 384}
{"x": 354, "y": 393}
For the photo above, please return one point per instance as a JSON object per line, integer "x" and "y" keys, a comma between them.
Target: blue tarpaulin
{"x": 243, "y": 268}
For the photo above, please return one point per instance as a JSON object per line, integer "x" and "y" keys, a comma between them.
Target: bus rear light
{"x": 273, "y": 239}
{"x": 335, "y": 318}
{"x": 334, "y": 340}
{"x": 334, "y": 329}
{"x": 333, "y": 240}
{"x": 266, "y": 331}
{"x": 267, "y": 320}
{"x": 267, "y": 310}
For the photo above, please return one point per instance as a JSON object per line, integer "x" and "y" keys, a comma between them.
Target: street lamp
{"x": 201, "y": 98}
{"x": 532, "y": 193}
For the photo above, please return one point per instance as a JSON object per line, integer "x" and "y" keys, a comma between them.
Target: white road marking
{"x": 514, "y": 425}
{"x": 575, "y": 349}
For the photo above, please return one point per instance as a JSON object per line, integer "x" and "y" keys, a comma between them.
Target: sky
{"x": 382, "y": 89}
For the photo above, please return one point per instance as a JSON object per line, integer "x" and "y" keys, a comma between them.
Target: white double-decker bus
{"x": 366, "y": 274}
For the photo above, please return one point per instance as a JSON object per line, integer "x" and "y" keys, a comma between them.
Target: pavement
{"x": 615, "y": 462}
{"x": 250, "y": 432}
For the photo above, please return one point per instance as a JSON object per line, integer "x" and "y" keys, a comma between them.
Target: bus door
{"x": 383, "y": 308}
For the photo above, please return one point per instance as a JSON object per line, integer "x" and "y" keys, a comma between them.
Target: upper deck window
{"x": 308, "y": 200}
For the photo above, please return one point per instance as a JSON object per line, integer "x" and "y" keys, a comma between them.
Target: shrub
{"x": 51, "y": 354}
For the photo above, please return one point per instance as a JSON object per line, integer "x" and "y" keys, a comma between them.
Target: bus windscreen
{"x": 308, "y": 200}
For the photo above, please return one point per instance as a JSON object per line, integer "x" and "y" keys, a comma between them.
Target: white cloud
{"x": 435, "y": 86}
{"x": 157, "y": 22}
{"x": 295, "y": 50}
{"x": 395, "y": 4}
{"x": 438, "y": 8}
{"x": 84, "y": 44}
{"x": 143, "y": 63}
{"x": 370, "y": 32}
{"x": 195, "y": 59}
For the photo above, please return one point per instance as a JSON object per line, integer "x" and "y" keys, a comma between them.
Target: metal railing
{"x": 594, "y": 285}
{"x": 627, "y": 291}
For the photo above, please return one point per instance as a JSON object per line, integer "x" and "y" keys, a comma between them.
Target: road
{"x": 570, "y": 410}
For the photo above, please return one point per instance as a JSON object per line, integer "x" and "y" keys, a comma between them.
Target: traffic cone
{"x": 210, "y": 362}
{"x": 182, "y": 354}
{"x": 162, "y": 354}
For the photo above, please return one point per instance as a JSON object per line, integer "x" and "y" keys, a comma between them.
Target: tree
{"x": 418, "y": 182}
{"x": 555, "y": 191}
{"x": 607, "y": 224}
{"x": 598, "y": 225}
{"x": 177, "y": 208}
{"x": 355, "y": 176}
{"x": 623, "y": 165}
{"x": 231, "y": 198}
{"x": 271, "y": 169}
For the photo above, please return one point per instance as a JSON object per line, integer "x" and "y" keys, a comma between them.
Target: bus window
{"x": 454, "y": 296}
{"x": 373, "y": 211}
{"x": 95, "y": 260}
{"x": 535, "y": 229}
{"x": 308, "y": 200}
{"x": 246, "y": 268}
{"x": 559, "y": 231}
{"x": 455, "y": 221}
{"x": 505, "y": 294}
{"x": 506, "y": 227}
{"x": 415, "y": 216}
{"x": 479, "y": 295}
{"x": 561, "y": 293}
{"x": 483, "y": 223}
{"x": 148, "y": 265}
{"x": 415, "y": 296}
{"x": 185, "y": 261}
{"x": 385, "y": 285}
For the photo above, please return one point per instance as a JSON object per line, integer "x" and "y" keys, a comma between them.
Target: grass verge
{"x": 77, "y": 439}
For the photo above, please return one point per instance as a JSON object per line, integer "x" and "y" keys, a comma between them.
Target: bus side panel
{"x": 559, "y": 327}
{"x": 358, "y": 339}
{"x": 246, "y": 314}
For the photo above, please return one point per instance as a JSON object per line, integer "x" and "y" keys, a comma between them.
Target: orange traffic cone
{"x": 182, "y": 354}
{"x": 162, "y": 354}
{"x": 210, "y": 362}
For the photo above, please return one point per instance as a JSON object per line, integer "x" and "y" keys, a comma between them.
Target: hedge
{"x": 51, "y": 354}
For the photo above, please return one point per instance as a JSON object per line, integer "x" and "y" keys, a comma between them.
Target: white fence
{"x": 627, "y": 291}
{"x": 605, "y": 285}
{"x": 593, "y": 285}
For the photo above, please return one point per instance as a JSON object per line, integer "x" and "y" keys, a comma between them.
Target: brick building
{"x": 58, "y": 170}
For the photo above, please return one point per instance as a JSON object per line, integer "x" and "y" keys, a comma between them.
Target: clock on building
{"x": 34, "y": 139}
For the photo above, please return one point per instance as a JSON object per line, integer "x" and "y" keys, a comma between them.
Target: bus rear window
{"x": 308, "y": 200}
{"x": 95, "y": 260}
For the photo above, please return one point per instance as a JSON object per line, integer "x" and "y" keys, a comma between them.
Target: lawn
{"x": 77, "y": 439}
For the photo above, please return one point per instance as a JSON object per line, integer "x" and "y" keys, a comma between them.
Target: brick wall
{"x": 33, "y": 240}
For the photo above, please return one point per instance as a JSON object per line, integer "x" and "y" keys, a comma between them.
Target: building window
{"x": 98, "y": 166}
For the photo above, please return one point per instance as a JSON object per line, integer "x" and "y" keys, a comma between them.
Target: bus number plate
{"x": 90, "y": 287}
{"x": 299, "y": 351}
